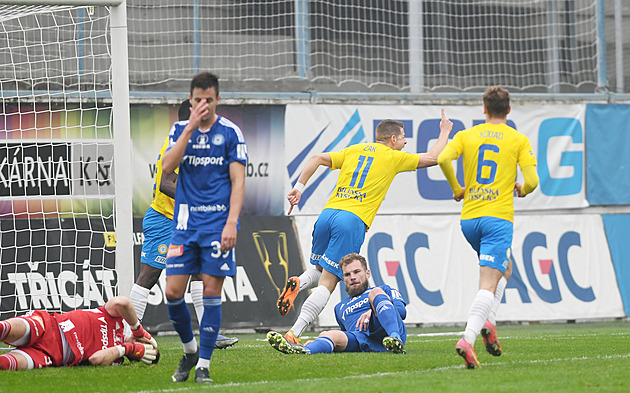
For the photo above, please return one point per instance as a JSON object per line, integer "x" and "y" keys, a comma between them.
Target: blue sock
{"x": 387, "y": 315}
{"x": 321, "y": 345}
{"x": 180, "y": 317}
{"x": 209, "y": 326}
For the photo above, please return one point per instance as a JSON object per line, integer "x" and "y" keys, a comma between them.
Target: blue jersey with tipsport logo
{"x": 202, "y": 197}
{"x": 349, "y": 310}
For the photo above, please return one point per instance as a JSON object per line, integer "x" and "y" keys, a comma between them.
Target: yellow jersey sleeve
{"x": 162, "y": 203}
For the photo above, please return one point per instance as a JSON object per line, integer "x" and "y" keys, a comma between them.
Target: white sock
{"x": 309, "y": 279}
{"x": 139, "y": 297}
{"x": 190, "y": 346}
{"x": 205, "y": 363}
{"x": 498, "y": 295}
{"x": 311, "y": 308}
{"x": 478, "y": 315}
{"x": 196, "y": 292}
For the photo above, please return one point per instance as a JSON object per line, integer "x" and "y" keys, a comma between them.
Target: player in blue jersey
{"x": 491, "y": 152}
{"x": 211, "y": 155}
{"x": 371, "y": 319}
{"x": 157, "y": 228}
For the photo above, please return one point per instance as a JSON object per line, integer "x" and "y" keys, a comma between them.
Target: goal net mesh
{"x": 367, "y": 45}
{"x": 56, "y": 159}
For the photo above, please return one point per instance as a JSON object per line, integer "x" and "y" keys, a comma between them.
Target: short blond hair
{"x": 348, "y": 259}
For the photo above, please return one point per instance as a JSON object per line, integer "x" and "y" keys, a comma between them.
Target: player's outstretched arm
{"x": 311, "y": 166}
{"x": 105, "y": 357}
{"x": 144, "y": 353}
{"x": 430, "y": 158}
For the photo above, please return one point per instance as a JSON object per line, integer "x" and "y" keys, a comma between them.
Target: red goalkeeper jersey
{"x": 88, "y": 331}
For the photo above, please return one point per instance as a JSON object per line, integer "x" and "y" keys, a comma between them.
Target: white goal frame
{"x": 123, "y": 213}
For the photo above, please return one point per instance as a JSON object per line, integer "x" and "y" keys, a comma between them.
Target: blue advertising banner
{"x": 607, "y": 148}
{"x": 617, "y": 228}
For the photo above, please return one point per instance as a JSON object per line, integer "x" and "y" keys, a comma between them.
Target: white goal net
{"x": 57, "y": 191}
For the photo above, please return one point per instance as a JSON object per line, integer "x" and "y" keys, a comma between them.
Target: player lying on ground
{"x": 371, "y": 320}
{"x": 78, "y": 337}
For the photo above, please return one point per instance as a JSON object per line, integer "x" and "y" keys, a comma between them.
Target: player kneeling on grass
{"x": 371, "y": 319}
{"x": 78, "y": 337}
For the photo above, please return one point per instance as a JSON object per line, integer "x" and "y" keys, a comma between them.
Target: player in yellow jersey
{"x": 157, "y": 227}
{"x": 491, "y": 152}
{"x": 366, "y": 171}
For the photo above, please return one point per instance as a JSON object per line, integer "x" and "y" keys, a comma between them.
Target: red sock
{"x": 5, "y": 329}
{"x": 8, "y": 362}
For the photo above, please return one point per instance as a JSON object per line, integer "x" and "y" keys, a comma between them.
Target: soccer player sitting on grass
{"x": 371, "y": 319}
{"x": 78, "y": 337}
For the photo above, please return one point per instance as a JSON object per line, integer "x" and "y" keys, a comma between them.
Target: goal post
{"x": 65, "y": 155}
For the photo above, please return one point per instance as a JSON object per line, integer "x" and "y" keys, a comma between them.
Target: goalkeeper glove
{"x": 142, "y": 352}
{"x": 142, "y": 335}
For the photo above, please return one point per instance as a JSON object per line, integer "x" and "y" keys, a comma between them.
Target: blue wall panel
{"x": 608, "y": 154}
{"x": 618, "y": 233}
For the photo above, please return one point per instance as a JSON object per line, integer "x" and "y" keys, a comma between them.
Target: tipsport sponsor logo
{"x": 353, "y": 307}
{"x": 103, "y": 330}
{"x": 350, "y": 134}
{"x": 203, "y": 161}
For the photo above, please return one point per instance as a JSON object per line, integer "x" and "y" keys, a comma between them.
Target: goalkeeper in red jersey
{"x": 95, "y": 336}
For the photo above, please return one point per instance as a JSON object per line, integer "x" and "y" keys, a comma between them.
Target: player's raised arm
{"x": 311, "y": 166}
{"x": 173, "y": 155}
{"x": 430, "y": 158}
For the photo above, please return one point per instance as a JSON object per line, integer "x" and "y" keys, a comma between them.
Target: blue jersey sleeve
{"x": 175, "y": 132}
{"x": 237, "y": 149}
{"x": 337, "y": 317}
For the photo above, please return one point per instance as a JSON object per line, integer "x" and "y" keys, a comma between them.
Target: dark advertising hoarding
{"x": 267, "y": 254}
{"x": 63, "y": 264}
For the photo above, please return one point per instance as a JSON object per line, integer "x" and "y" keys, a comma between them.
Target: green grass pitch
{"x": 582, "y": 357}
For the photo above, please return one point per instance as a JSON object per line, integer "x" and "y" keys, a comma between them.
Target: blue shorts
{"x": 372, "y": 340}
{"x": 193, "y": 252}
{"x": 336, "y": 234}
{"x": 491, "y": 238}
{"x": 157, "y": 229}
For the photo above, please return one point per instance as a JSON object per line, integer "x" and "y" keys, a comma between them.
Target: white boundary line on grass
{"x": 237, "y": 384}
